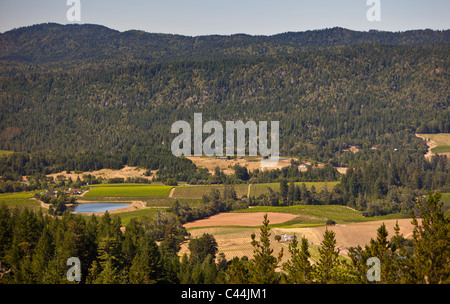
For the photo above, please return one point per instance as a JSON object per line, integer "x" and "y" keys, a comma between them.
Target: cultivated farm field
{"x": 124, "y": 190}
{"x": 226, "y": 165}
{"x": 437, "y": 143}
{"x": 19, "y": 199}
{"x": 241, "y": 219}
{"x": 258, "y": 189}
{"x": 307, "y": 215}
{"x": 197, "y": 192}
{"x": 236, "y": 241}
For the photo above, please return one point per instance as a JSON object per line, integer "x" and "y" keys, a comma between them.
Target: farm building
{"x": 287, "y": 238}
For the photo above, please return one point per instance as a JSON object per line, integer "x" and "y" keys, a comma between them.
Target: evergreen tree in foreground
{"x": 146, "y": 267}
{"x": 431, "y": 239}
{"x": 328, "y": 267}
{"x": 262, "y": 266}
{"x": 298, "y": 269}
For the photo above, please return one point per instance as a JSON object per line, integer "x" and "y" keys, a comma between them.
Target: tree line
{"x": 90, "y": 46}
{"x": 34, "y": 248}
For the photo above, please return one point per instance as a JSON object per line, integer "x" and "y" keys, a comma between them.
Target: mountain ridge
{"x": 51, "y": 43}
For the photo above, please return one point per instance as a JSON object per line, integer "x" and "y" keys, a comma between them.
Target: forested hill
{"x": 74, "y": 89}
{"x": 84, "y": 46}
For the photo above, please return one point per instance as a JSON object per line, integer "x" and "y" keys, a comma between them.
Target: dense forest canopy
{"x": 80, "y": 96}
{"x": 360, "y": 90}
{"x": 83, "y": 46}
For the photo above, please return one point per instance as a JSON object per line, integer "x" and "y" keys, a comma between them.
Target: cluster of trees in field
{"x": 391, "y": 183}
{"x": 292, "y": 194}
{"x": 243, "y": 175}
{"x": 57, "y": 202}
{"x": 34, "y": 249}
{"x": 15, "y": 165}
{"x": 61, "y": 182}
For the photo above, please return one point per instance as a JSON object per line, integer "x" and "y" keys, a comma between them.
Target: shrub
{"x": 330, "y": 222}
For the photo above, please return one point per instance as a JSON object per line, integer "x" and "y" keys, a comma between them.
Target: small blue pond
{"x": 98, "y": 207}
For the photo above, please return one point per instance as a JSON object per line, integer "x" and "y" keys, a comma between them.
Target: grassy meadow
{"x": 258, "y": 189}
{"x": 313, "y": 215}
{"x": 125, "y": 217}
{"x": 197, "y": 192}
{"x": 19, "y": 199}
{"x": 442, "y": 142}
{"x": 128, "y": 190}
{"x": 446, "y": 203}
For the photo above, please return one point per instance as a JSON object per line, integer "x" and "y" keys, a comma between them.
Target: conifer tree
{"x": 298, "y": 269}
{"x": 262, "y": 266}
{"x": 379, "y": 248}
{"x": 431, "y": 239}
{"x": 109, "y": 262}
{"x": 43, "y": 254}
{"x": 284, "y": 189}
{"x": 201, "y": 247}
{"x": 184, "y": 273}
{"x": 327, "y": 268}
{"x": 146, "y": 267}
{"x": 291, "y": 192}
{"x": 130, "y": 242}
{"x": 6, "y": 235}
{"x": 209, "y": 270}
{"x": 399, "y": 256}
{"x": 237, "y": 272}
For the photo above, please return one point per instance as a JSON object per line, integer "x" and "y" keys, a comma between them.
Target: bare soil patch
{"x": 430, "y": 143}
{"x": 252, "y": 163}
{"x": 241, "y": 219}
{"x": 124, "y": 173}
{"x": 235, "y": 241}
{"x": 352, "y": 235}
{"x": 353, "y": 149}
{"x": 435, "y": 140}
{"x": 342, "y": 170}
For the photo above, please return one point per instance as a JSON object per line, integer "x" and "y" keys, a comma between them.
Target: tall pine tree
{"x": 262, "y": 266}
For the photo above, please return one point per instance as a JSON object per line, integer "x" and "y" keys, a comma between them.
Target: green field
{"x": 124, "y": 185}
{"x": 5, "y": 152}
{"x": 157, "y": 198}
{"x": 446, "y": 203}
{"x": 125, "y": 217}
{"x": 128, "y": 190}
{"x": 446, "y": 198}
{"x": 196, "y": 192}
{"x": 442, "y": 142}
{"x": 310, "y": 215}
{"x": 258, "y": 189}
{"x": 19, "y": 199}
{"x": 441, "y": 149}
